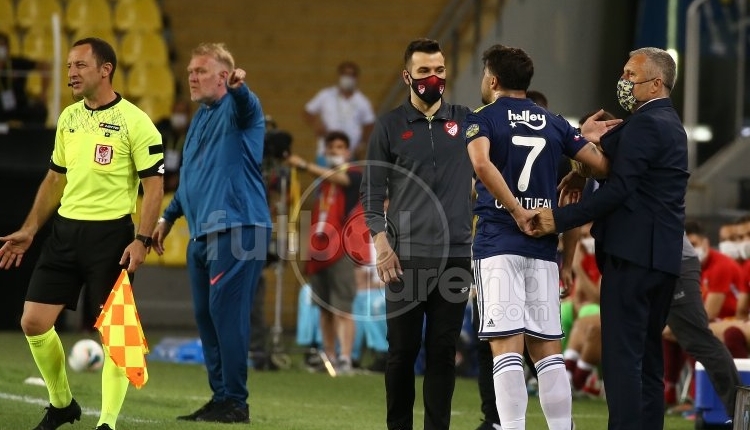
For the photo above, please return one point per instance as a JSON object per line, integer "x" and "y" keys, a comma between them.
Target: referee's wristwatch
{"x": 145, "y": 239}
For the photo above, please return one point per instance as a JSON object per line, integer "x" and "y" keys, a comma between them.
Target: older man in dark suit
{"x": 639, "y": 215}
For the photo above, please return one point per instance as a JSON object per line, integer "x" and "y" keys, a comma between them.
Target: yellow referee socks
{"x": 49, "y": 356}
{"x": 114, "y": 388}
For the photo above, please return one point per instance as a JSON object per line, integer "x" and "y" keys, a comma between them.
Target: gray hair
{"x": 659, "y": 63}
{"x": 218, "y": 51}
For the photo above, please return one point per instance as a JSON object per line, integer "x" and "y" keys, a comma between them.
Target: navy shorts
{"x": 80, "y": 253}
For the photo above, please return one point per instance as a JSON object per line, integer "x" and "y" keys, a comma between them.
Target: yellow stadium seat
{"x": 34, "y": 84}
{"x": 157, "y": 108}
{"x": 143, "y": 47}
{"x": 118, "y": 81}
{"x": 37, "y": 13}
{"x": 150, "y": 80}
{"x": 66, "y": 95}
{"x": 38, "y": 44}
{"x": 175, "y": 245}
{"x": 66, "y": 99}
{"x": 7, "y": 17}
{"x": 60, "y": 76}
{"x": 88, "y": 13}
{"x": 15, "y": 44}
{"x": 105, "y": 33}
{"x": 137, "y": 15}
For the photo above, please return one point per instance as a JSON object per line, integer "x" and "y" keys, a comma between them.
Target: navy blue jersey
{"x": 526, "y": 144}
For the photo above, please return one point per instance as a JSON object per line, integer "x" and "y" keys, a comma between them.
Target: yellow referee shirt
{"x": 103, "y": 153}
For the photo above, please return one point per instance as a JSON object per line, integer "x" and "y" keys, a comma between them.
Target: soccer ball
{"x": 86, "y": 355}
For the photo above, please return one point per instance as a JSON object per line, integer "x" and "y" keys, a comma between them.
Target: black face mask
{"x": 429, "y": 89}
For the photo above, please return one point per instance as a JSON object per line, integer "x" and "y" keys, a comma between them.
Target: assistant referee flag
{"x": 122, "y": 335}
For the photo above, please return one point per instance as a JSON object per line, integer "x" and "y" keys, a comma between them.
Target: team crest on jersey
{"x": 472, "y": 131}
{"x": 451, "y": 127}
{"x": 112, "y": 127}
{"x": 407, "y": 135}
{"x": 103, "y": 154}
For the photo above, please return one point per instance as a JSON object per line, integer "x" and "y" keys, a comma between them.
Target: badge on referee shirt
{"x": 103, "y": 154}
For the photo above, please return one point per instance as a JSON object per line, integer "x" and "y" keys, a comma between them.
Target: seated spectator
{"x": 736, "y": 333}
{"x": 15, "y": 104}
{"x": 741, "y": 237}
{"x": 720, "y": 280}
{"x": 730, "y": 244}
{"x": 721, "y": 276}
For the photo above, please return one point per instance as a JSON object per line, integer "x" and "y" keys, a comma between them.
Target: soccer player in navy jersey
{"x": 515, "y": 147}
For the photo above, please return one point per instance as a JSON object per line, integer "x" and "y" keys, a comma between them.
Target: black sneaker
{"x": 55, "y": 417}
{"x": 488, "y": 425}
{"x": 227, "y": 411}
{"x": 104, "y": 426}
{"x": 208, "y": 407}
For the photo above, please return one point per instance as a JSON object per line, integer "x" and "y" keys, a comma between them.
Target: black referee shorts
{"x": 78, "y": 253}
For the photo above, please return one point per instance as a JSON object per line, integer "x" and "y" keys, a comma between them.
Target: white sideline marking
{"x": 85, "y": 411}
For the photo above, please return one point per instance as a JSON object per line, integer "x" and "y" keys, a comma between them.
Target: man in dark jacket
{"x": 417, "y": 160}
{"x": 639, "y": 216}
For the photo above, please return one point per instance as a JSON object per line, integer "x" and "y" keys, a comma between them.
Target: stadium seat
{"x": 137, "y": 15}
{"x": 175, "y": 245}
{"x": 143, "y": 47}
{"x": 157, "y": 108}
{"x": 34, "y": 84}
{"x": 15, "y": 43}
{"x": 105, "y": 33}
{"x": 37, "y": 13}
{"x": 150, "y": 80}
{"x": 38, "y": 44}
{"x": 61, "y": 76}
{"x": 118, "y": 81}
{"x": 7, "y": 17}
{"x": 88, "y": 13}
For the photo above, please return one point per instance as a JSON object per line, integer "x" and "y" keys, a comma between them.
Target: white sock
{"x": 510, "y": 390}
{"x": 571, "y": 354}
{"x": 583, "y": 365}
{"x": 554, "y": 392}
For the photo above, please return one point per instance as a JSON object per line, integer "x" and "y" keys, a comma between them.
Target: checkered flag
{"x": 122, "y": 335}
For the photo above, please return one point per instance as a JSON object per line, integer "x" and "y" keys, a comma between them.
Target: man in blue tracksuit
{"x": 222, "y": 195}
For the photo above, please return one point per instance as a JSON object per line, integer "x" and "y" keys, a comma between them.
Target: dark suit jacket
{"x": 639, "y": 212}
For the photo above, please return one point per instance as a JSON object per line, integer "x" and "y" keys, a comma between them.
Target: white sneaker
{"x": 344, "y": 366}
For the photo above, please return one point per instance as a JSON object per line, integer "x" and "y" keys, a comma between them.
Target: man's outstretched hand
{"x": 543, "y": 223}
{"x": 524, "y": 219}
{"x": 12, "y": 251}
{"x": 594, "y": 128}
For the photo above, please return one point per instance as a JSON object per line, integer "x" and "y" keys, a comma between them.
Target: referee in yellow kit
{"x": 104, "y": 147}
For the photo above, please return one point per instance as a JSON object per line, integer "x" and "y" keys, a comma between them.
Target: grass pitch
{"x": 293, "y": 399}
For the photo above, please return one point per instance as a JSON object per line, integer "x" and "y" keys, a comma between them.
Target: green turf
{"x": 286, "y": 400}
